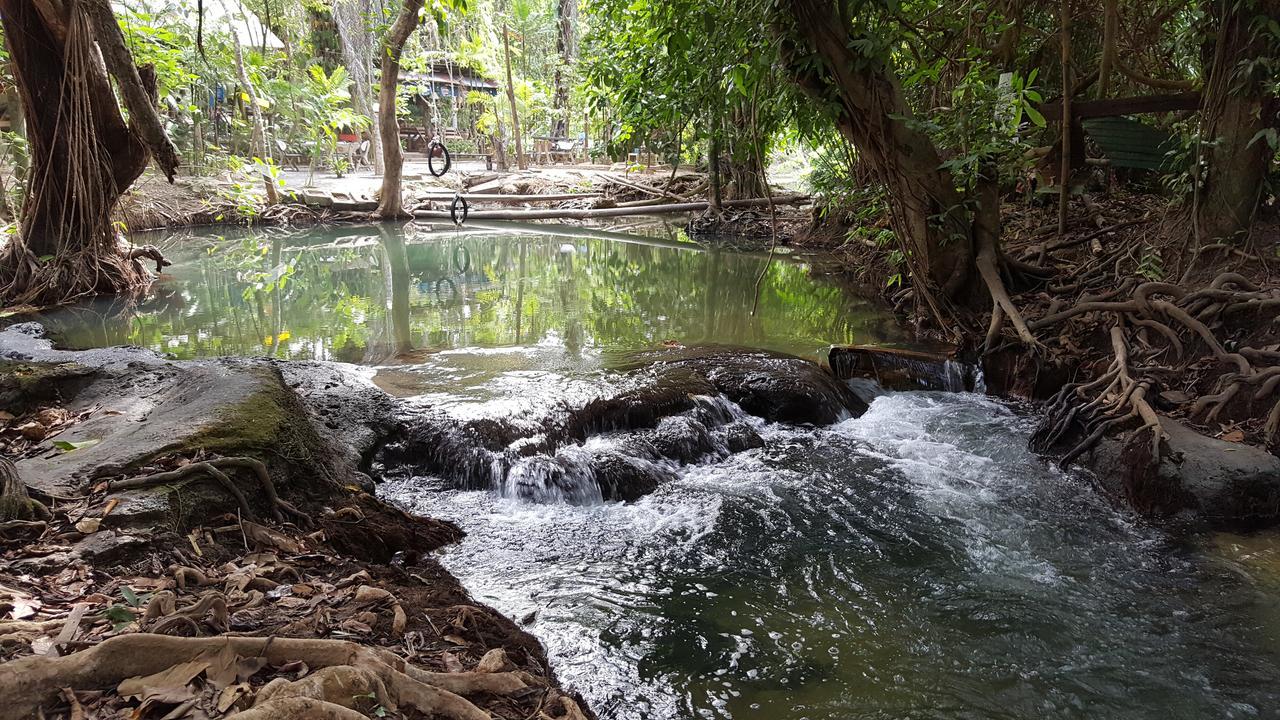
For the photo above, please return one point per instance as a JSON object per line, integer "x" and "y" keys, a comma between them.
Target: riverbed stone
{"x": 139, "y": 406}
{"x": 774, "y": 386}
{"x": 1201, "y": 480}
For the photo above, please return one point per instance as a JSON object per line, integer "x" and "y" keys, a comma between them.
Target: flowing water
{"x": 913, "y": 562}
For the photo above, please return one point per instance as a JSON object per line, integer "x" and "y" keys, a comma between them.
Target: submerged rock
{"x": 1199, "y": 479}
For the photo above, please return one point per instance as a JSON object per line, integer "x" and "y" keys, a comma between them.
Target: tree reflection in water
{"x": 381, "y": 294}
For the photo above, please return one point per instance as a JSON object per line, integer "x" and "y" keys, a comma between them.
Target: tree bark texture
{"x": 566, "y": 15}
{"x": 1234, "y": 112}
{"x": 511, "y": 96}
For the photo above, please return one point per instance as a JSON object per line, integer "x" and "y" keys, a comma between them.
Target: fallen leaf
{"x": 398, "y": 621}
{"x": 52, "y": 416}
{"x": 167, "y": 686}
{"x": 355, "y": 626}
{"x": 366, "y": 594}
{"x": 33, "y": 431}
{"x": 42, "y": 645}
{"x": 1234, "y": 436}
{"x": 24, "y": 607}
{"x": 70, "y": 446}
{"x": 270, "y": 538}
{"x": 229, "y": 695}
{"x": 89, "y": 526}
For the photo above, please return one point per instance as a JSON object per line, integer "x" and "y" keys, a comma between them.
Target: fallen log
{"x": 579, "y": 214}
{"x": 516, "y": 199}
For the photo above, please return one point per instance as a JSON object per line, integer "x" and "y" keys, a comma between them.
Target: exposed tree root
{"x": 1164, "y": 330}
{"x": 15, "y": 504}
{"x": 214, "y": 470}
{"x": 345, "y": 672}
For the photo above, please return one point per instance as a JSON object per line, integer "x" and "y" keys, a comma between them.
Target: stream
{"x": 914, "y": 562}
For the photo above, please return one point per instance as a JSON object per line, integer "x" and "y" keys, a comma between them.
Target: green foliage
{"x": 1150, "y": 265}
{"x": 656, "y": 67}
{"x": 986, "y": 122}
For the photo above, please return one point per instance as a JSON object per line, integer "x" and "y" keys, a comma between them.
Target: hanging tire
{"x": 431, "y": 158}
{"x": 459, "y": 209}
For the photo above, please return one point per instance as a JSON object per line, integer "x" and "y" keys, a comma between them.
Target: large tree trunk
{"x": 511, "y": 97}
{"x": 746, "y": 175}
{"x": 83, "y": 153}
{"x": 1235, "y": 103}
{"x": 928, "y": 213}
{"x": 391, "y": 206}
{"x": 566, "y": 13}
{"x": 953, "y": 254}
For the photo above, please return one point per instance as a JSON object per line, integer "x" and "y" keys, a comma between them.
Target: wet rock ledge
{"x": 199, "y": 540}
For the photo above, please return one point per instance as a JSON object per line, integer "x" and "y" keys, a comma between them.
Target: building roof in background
{"x": 446, "y": 76}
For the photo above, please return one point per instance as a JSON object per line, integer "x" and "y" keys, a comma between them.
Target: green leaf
{"x": 130, "y": 596}
{"x": 120, "y": 616}
{"x": 1034, "y": 115}
{"x": 69, "y": 446}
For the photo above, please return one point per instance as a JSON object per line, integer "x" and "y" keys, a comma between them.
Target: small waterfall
{"x": 567, "y": 477}
{"x": 905, "y": 369}
{"x": 545, "y": 463}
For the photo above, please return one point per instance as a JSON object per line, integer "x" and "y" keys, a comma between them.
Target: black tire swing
{"x": 431, "y": 158}
{"x": 459, "y": 209}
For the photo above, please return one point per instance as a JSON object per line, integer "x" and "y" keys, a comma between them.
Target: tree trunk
{"x": 1235, "y": 99}
{"x": 511, "y": 96}
{"x": 259, "y": 143}
{"x": 391, "y": 206}
{"x": 1068, "y": 121}
{"x": 746, "y": 176}
{"x": 566, "y": 12}
{"x": 928, "y": 213}
{"x": 714, "y": 194}
{"x": 1110, "y": 29}
{"x": 84, "y": 154}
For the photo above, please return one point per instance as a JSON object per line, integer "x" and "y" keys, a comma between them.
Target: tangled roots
{"x": 346, "y": 673}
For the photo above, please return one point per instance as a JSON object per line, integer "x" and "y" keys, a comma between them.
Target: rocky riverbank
{"x": 198, "y": 540}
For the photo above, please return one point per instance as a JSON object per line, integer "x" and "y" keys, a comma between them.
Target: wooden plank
{"x": 1130, "y": 144}
{"x": 1113, "y": 107}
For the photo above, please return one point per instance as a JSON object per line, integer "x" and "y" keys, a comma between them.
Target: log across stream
{"x": 910, "y": 558}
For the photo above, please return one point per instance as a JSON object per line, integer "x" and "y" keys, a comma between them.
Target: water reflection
{"x": 381, "y": 294}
